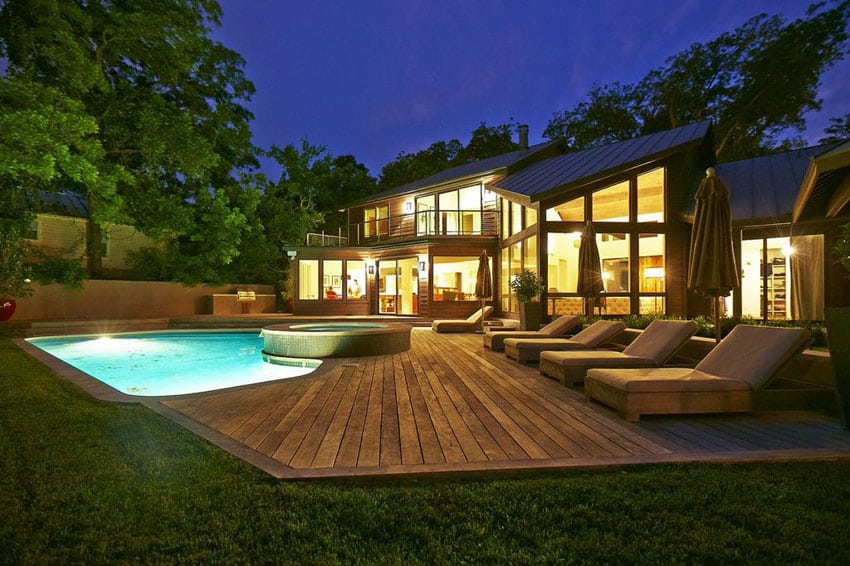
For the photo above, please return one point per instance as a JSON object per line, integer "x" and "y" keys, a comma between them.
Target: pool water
{"x": 156, "y": 364}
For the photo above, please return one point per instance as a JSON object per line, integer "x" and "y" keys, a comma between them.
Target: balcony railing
{"x": 423, "y": 224}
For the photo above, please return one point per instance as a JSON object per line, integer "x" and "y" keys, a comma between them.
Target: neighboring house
{"x": 413, "y": 250}
{"x": 59, "y": 229}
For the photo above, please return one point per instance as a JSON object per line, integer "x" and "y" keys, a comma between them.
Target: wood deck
{"x": 449, "y": 405}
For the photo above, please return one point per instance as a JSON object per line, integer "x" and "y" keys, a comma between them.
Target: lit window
{"x": 650, "y": 196}
{"x": 308, "y": 279}
{"x": 516, "y": 218}
{"x": 651, "y": 273}
{"x": 570, "y": 211}
{"x": 530, "y": 216}
{"x": 449, "y": 213}
{"x": 612, "y": 204}
{"x": 562, "y": 259}
{"x": 332, "y": 279}
{"x": 426, "y": 216}
{"x": 454, "y": 278}
{"x": 614, "y": 253}
{"x": 355, "y": 275}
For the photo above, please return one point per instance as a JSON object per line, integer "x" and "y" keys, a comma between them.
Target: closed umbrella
{"x": 589, "y": 269}
{"x": 712, "y": 271}
{"x": 483, "y": 280}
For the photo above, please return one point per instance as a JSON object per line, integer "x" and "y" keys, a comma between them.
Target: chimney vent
{"x": 523, "y": 136}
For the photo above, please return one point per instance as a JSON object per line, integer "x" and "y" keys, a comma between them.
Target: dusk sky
{"x": 373, "y": 78}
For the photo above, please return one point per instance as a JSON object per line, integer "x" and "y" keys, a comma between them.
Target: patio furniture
{"x": 470, "y": 324}
{"x": 733, "y": 377}
{"x": 495, "y": 338}
{"x": 594, "y": 336}
{"x": 652, "y": 348}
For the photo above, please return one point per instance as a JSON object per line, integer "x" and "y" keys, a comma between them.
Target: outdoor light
{"x": 787, "y": 250}
{"x": 291, "y": 253}
{"x": 408, "y": 206}
{"x": 421, "y": 266}
{"x": 371, "y": 270}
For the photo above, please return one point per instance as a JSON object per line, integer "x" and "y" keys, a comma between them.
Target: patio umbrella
{"x": 483, "y": 280}
{"x": 712, "y": 271}
{"x": 589, "y": 269}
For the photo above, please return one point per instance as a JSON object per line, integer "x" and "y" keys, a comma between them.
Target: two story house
{"x": 413, "y": 250}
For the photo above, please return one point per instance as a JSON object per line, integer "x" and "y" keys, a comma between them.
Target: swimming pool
{"x": 151, "y": 364}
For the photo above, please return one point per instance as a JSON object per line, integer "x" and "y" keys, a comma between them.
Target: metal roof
{"x": 65, "y": 203}
{"x": 765, "y": 188}
{"x": 580, "y": 167}
{"x": 474, "y": 169}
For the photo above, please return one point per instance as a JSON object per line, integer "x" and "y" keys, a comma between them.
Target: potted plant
{"x": 838, "y": 335}
{"x": 14, "y": 274}
{"x": 527, "y": 287}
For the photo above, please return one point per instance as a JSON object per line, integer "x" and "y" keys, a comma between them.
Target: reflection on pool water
{"x": 172, "y": 363}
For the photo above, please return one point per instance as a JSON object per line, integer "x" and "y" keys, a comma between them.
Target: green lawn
{"x": 87, "y": 481}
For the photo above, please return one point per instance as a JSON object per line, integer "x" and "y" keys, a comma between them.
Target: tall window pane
{"x": 505, "y": 280}
{"x": 516, "y": 218}
{"x": 650, "y": 195}
{"x": 652, "y": 273}
{"x": 562, "y": 259}
{"x": 355, "y": 278}
{"x": 612, "y": 204}
{"x": 448, "y": 213}
{"x": 614, "y": 253}
{"x": 454, "y": 278}
{"x": 506, "y": 217}
{"x": 426, "y": 216}
{"x": 530, "y": 216}
{"x": 529, "y": 261}
{"x": 516, "y": 268}
{"x": 470, "y": 210}
{"x": 308, "y": 279}
{"x": 332, "y": 279}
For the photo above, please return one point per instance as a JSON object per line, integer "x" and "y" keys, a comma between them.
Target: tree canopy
{"x": 151, "y": 126}
{"x": 486, "y": 141}
{"x": 754, "y": 83}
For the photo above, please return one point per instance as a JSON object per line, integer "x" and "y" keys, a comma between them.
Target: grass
{"x": 87, "y": 481}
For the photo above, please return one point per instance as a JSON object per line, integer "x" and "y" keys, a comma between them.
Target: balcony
{"x": 412, "y": 226}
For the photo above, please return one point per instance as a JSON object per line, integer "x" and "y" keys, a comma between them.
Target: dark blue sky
{"x": 373, "y": 78}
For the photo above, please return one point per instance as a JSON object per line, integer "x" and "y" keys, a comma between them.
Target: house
{"x": 413, "y": 250}
{"x": 60, "y": 229}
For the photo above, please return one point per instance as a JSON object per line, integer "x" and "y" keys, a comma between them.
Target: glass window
{"x": 651, "y": 273}
{"x": 454, "y": 278}
{"x": 570, "y": 211}
{"x": 505, "y": 281}
{"x": 530, "y": 216}
{"x": 516, "y": 218}
{"x": 332, "y": 279}
{"x": 529, "y": 260}
{"x": 383, "y": 214}
{"x": 308, "y": 279}
{"x": 516, "y": 269}
{"x": 766, "y": 282}
{"x": 355, "y": 277}
{"x": 449, "y": 213}
{"x": 614, "y": 253}
{"x": 506, "y": 217}
{"x": 426, "y": 216}
{"x": 612, "y": 204}
{"x": 470, "y": 210}
{"x": 562, "y": 259}
{"x": 650, "y": 196}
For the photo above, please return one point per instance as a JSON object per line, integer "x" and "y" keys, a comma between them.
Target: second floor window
{"x": 375, "y": 221}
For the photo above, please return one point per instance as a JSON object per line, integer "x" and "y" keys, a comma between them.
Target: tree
{"x": 754, "y": 83}
{"x": 486, "y": 141}
{"x": 837, "y": 131}
{"x": 160, "y": 108}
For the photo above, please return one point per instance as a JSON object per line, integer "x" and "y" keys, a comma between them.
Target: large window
{"x": 376, "y": 221}
{"x": 454, "y": 278}
{"x": 562, "y": 260}
{"x": 521, "y": 255}
{"x": 650, "y": 196}
{"x": 308, "y": 279}
{"x": 426, "y": 216}
{"x": 651, "y": 273}
{"x": 570, "y": 211}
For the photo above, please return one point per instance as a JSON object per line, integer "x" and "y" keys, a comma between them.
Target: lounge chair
{"x": 494, "y": 338}
{"x": 728, "y": 379}
{"x": 651, "y": 348}
{"x": 594, "y": 336}
{"x": 470, "y": 324}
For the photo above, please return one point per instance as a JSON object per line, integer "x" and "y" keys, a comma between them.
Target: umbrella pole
{"x": 717, "y": 319}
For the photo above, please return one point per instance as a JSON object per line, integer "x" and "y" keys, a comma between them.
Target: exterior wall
{"x": 66, "y": 236}
{"x": 105, "y": 300}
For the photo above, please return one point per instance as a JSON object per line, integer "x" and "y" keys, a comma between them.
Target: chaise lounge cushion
{"x": 528, "y": 349}
{"x": 656, "y": 380}
{"x": 653, "y": 347}
{"x": 469, "y": 324}
{"x": 495, "y": 338}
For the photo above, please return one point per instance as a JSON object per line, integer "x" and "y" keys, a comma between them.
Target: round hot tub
{"x": 335, "y": 339}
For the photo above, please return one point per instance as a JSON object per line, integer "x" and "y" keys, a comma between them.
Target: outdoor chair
{"x": 594, "y": 336}
{"x": 470, "y": 324}
{"x": 652, "y": 348}
{"x": 494, "y": 338}
{"x": 729, "y": 379}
